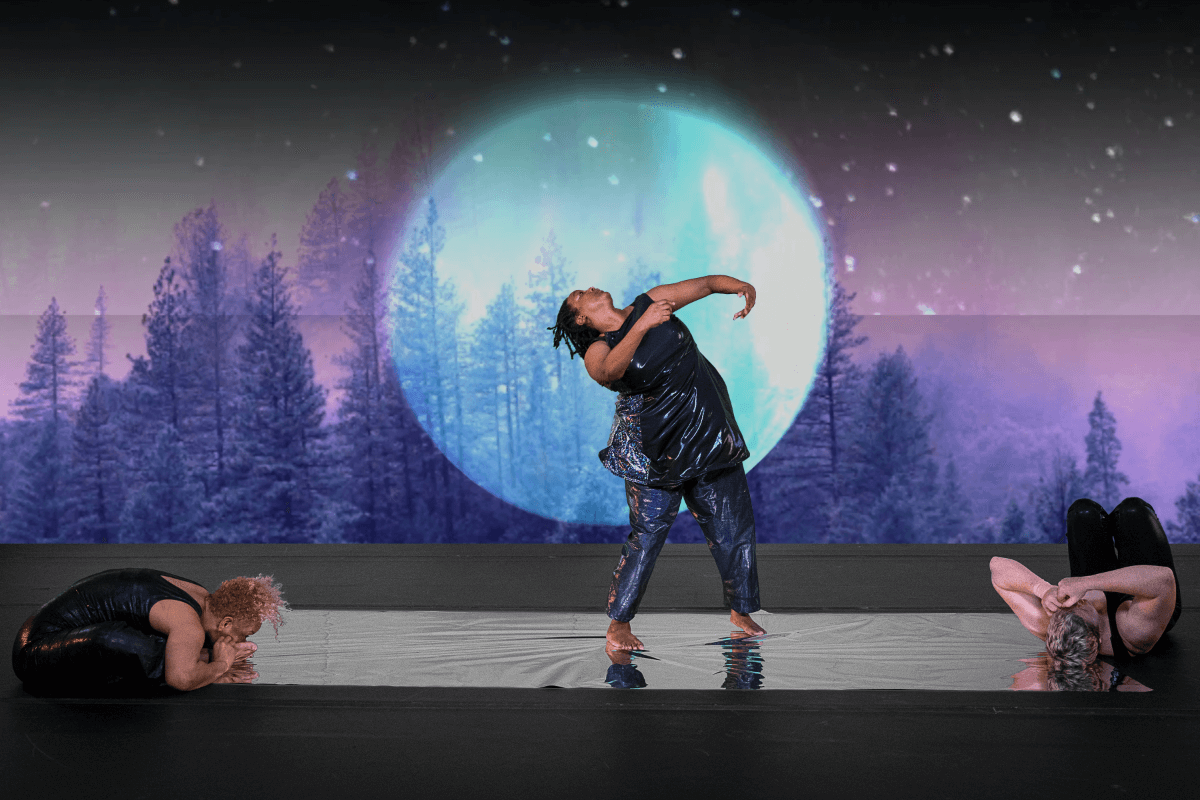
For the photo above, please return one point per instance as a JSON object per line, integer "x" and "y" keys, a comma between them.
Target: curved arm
{"x": 187, "y": 665}
{"x": 1153, "y": 591}
{"x": 606, "y": 364}
{"x": 684, "y": 292}
{"x": 1022, "y": 590}
{"x": 1143, "y": 581}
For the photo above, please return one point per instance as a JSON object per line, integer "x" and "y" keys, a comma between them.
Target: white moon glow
{"x": 635, "y": 194}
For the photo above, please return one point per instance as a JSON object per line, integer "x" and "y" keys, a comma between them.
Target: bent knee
{"x": 1084, "y": 507}
{"x": 1134, "y": 504}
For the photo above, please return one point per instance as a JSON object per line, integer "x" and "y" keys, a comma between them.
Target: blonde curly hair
{"x": 259, "y": 599}
{"x": 1072, "y": 638}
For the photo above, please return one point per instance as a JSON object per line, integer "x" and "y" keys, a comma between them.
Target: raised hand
{"x": 656, "y": 314}
{"x": 1050, "y": 600}
{"x": 747, "y": 291}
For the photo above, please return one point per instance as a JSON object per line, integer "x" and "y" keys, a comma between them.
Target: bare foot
{"x": 620, "y": 657}
{"x": 744, "y": 622}
{"x": 619, "y": 637}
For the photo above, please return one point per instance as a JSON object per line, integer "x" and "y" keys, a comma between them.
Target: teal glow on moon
{"x": 634, "y": 194}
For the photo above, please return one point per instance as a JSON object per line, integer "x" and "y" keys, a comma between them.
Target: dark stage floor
{"x": 327, "y": 739}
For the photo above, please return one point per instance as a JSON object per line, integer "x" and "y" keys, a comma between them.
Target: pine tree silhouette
{"x": 1101, "y": 479}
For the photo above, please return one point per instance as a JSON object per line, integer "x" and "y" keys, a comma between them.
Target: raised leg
{"x": 1140, "y": 539}
{"x": 1089, "y": 539}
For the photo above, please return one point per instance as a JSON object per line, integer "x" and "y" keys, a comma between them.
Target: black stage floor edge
{"x": 365, "y": 742}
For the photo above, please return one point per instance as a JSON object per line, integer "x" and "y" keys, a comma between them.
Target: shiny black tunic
{"x": 674, "y": 421}
{"x": 116, "y": 595}
{"x": 98, "y": 632}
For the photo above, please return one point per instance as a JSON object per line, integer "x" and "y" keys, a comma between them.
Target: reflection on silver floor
{"x": 684, "y": 651}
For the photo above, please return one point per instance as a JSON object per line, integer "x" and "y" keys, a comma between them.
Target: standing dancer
{"x": 1120, "y": 599}
{"x": 673, "y": 437}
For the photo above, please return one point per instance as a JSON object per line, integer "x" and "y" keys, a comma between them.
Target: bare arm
{"x": 1023, "y": 591}
{"x": 187, "y": 665}
{"x": 606, "y": 364}
{"x": 1153, "y": 590}
{"x": 691, "y": 290}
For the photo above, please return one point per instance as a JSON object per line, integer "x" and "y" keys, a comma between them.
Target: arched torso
{"x": 683, "y": 419}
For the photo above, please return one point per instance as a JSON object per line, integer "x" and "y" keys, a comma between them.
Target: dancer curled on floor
{"x": 133, "y": 630}
{"x": 1120, "y": 599}
{"x": 673, "y": 437}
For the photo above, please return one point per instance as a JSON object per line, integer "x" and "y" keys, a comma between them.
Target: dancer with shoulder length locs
{"x": 1120, "y": 599}
{"x": 674, "y": 437}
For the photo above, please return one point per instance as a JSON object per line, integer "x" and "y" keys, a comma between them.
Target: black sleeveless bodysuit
{"x": 98, "y": 632}
{"x": 1114, "y": 599}
{"x": 674, "y": 404}
{"x": 116, "y": 595}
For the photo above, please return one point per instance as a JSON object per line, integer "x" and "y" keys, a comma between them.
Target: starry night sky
{"x": 1020, "y": 159}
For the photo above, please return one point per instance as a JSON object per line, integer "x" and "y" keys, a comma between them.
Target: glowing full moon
{"x": 622, "y": 196}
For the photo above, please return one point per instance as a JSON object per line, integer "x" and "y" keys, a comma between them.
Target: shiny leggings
{"x": 98, "y": 657}
{"x": 720, "y": 502}
{"x": 1132, "y": 529}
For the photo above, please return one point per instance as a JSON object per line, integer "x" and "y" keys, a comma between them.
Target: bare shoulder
{"x": 175, "y": 616}
{"x": 1141, "y": 623}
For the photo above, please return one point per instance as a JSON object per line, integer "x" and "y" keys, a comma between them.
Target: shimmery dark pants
{"x": 720, "y": 502}
{"x": 1132, "y": 528}
{"x": 103, "y": 655}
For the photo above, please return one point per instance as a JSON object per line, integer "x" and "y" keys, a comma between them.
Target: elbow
{"x": 180, "y": 680}
{"x": 1167, "y": 583}
{"x": 1002, "y": 571}
{"x": 608, "y": 376}
{"x": 176, "y": 682}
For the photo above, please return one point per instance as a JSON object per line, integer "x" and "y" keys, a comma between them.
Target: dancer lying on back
{"x": 674, "y": 437}
{"x": 131, "y": 630}
{"x": 1122, "y": 595}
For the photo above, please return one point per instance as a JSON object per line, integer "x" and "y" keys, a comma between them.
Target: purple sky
{"x": 998, "y": 162}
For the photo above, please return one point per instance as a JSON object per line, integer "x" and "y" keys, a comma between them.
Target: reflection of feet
{"x": 621, "y": 657}
{"x": 744, "y": 622}
{"x": 619, "y": 637}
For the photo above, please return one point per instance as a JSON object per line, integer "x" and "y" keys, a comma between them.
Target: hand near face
{"x": 226, "y": 651}
{"x": 1071, "y": 591}
{"x": 1050, "y": 601}
{"x": 747, "y": 291}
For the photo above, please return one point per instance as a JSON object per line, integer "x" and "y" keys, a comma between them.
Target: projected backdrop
{"x": 618, "y": 194}
{"x": 281, "y": 272}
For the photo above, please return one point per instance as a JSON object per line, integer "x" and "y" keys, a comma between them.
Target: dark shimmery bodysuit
{"x": 1114, "y": 600}
{"x": 100, "y": 625}
{"x": 673, "y": 419}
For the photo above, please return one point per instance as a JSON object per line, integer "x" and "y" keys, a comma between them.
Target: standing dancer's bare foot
{"x": 619, "y": 637}
{"x": 744, "y": 622}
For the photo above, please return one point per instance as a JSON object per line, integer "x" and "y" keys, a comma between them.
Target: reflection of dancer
{"x": 131, "y": 629}
{"x": 1116, "y": 603}
{"x": 623, "y": 673}
{"x": 674, "y": 437}
{"x": 743, "y": 663}
{"x": 1045, "y": 675}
